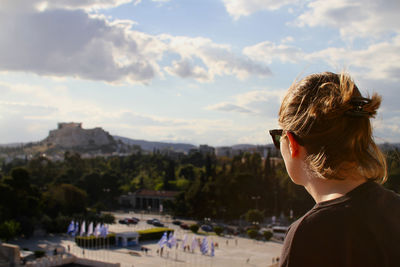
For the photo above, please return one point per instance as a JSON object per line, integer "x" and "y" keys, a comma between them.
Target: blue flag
{"x": 204, "y": 246}
{"x": 103, "y": 231}
{"x": 212, "y": 249}
{"x": 171, "y": 240}
{"x": 71, "y": 228}
{"x": 76, "y": 230}
{"x": 163, "y": 240}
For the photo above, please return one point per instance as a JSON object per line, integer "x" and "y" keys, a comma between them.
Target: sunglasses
{"x": 276, "y": 135}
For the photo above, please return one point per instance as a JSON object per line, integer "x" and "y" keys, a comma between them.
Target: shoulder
{"x": 317, "y": 238}
{"x": 302, "y": 240}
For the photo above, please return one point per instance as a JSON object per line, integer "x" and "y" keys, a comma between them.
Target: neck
{"x": 327, "y": 189}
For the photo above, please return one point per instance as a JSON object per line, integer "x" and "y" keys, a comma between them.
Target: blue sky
{"x": 203, "y": 72}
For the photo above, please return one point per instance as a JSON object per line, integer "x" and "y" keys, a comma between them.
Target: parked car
{"x": 176, "y": 222}
{"x": 232, "y": 230}
{"x": 207, "y": 228}
{"x": 122, "y": 221}
{"x": 184, "y": 226}
{"x": 130, "y": 221}
{"x": 158, "y": 223}
{"x": 152, "y": 221}
{"x": 135, "y": 219}
{"x": 279, "y": 232}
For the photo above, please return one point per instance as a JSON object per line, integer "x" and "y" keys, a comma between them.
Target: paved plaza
{"x": 231, "y": 251}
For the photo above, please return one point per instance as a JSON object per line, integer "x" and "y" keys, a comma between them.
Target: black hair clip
{"x": 358, "y": 103}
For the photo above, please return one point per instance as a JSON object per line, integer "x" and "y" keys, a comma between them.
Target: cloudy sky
{"x": 203, "y": 72}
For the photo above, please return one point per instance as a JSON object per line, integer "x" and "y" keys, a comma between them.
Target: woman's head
{"x": 327, "y": 113}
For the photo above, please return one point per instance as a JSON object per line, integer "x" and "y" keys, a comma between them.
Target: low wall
{"x": 9, "y": 255}
{"x": 59, "y": 260}
{"x": 56, "y": 260}
{"x": 89, "y": 262}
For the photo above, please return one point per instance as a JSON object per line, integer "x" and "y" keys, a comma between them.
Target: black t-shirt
{"x": 362, "y": 228}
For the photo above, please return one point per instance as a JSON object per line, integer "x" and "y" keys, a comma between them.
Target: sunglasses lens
{"x": 277, "y": 141}
{"x": 276, "y": 137}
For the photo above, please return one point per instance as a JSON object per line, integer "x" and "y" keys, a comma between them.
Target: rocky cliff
{"x": 72, "y": 135}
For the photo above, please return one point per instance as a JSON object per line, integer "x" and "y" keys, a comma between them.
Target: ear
{"x": 293, "y": 145}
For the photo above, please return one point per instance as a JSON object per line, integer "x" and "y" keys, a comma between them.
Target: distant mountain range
{"x": 150, "y": 146}
{"x": 71, "y": 136}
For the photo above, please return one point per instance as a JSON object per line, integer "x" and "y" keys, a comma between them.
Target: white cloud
{"x": 186, "y": 69}
{"x": 157, "y": 1}
{"x": 260, "y": 102}
{"x": 238, "y": 8}
{"x": 269, "y": 52}
{"x": 379, "y": 61}
{"x": 70, "y": 42}
{"x": 361, "y": 18}
{"x": 287, "y": 39}
{"x": 16, "y": 6}
{"x": 229, "y": 107}
{"x": 215, "y": 59}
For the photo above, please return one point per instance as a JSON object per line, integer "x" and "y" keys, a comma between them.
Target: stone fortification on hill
{"x": 71, "y": 135}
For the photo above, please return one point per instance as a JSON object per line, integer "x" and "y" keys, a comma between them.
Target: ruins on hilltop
{"x": 71, "y": 135}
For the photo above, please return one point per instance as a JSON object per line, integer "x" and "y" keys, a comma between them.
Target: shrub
{"x": 153, "y": 234}
{"x": 218, "y": 230}
{"x": 252, "y": 233}
{"x": 194, "y": 228}
{"x": 267, "y": 235}
{"x": 9, "y": 230}
{"x": 92, "y": 241}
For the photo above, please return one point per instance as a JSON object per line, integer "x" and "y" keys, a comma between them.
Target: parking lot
{"x": 229, "y": 251}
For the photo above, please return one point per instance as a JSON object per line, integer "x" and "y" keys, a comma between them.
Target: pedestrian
{"x": 328, "y": 148}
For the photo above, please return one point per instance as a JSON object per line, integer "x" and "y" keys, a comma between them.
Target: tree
{"x": 169, "y": 175}
{"x": 254, "y": 215}
{"x": 66, "y": 199}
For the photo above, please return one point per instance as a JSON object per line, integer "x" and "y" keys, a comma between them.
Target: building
{"x": 223, "y": 151}
{"x": 205, "y": 149}
{"x": 62, "y": 125}
{"x": 126, "y": 239}
{"x": 145, "y": 199}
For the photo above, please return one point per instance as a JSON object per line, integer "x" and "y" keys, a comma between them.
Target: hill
{"x": 151, "y": 146}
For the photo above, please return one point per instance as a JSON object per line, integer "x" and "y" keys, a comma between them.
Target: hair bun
{"x": 363, "y": 107}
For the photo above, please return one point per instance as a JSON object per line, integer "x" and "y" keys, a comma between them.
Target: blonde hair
{"x": 328, "y": 114}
